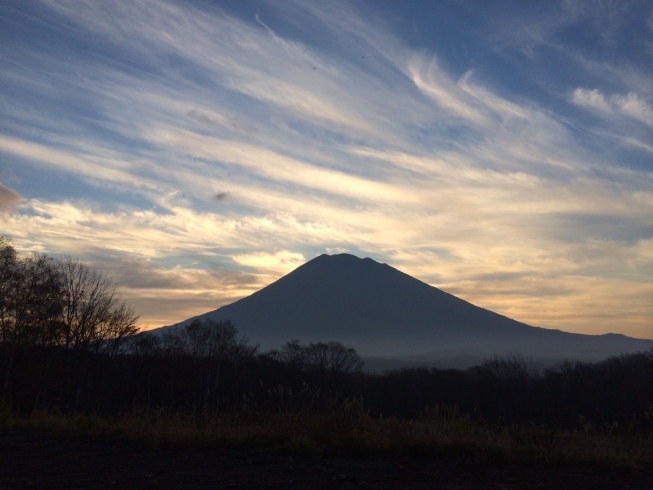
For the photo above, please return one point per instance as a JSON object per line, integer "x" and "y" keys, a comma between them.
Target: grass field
{"x": 350, "y": 431}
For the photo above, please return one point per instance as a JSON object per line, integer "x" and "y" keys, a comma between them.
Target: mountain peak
{"x": 381, "y": 311}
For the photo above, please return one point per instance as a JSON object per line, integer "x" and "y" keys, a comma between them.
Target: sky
{"x": 196, "y": 151}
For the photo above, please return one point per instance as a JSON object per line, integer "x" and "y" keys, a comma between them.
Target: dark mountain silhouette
{"x": 381, "y": 311}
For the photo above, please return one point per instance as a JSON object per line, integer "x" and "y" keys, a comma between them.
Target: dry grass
{"x": 349, "y": 431}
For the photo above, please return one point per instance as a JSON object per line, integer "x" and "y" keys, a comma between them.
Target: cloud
{"x": 279, "y": 167}
{"x": 637, "y": 144}
{"x": 591, "y": 98}
{"x": 9, "y": 199}
{"x": 630, "y": 105}
{"x": 486, "y": 191}
{"x": 336, "y": 250}
{"x": 188, "y": 289}
{"x": 75, "y": 160}
{"x": 279, "y": 262}
{"x": 434, "y": 83}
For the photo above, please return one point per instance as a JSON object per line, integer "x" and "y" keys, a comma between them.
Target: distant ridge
{"x": 381, "y": 311}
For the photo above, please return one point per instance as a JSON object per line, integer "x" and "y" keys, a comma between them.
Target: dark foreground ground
{"x": 31, "y": 460}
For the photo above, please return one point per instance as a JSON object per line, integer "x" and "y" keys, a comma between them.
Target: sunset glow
{"x": 198, "y": 151}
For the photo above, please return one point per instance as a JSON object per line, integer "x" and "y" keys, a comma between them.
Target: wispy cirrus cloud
{"x": 629, "y": 105}
{"x": 213, "y": 152}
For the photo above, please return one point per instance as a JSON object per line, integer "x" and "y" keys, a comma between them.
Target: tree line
{"x": 70, "y": 344}
{"x": 58, "y": 308}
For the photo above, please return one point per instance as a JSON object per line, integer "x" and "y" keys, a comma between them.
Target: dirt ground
{"x": 29, "y": 460}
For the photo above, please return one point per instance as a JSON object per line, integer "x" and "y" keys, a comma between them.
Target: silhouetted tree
{"x": 93, "y": 314}
{"x": 511, "y": 367}
{"x": 324, "y": 361}
{"x": 292, "y": 354}
{"x": 93, "y": 317}
{"x": 29, "y": 304}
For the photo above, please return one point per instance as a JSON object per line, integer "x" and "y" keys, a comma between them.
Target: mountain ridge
{"x": 382, "y": 311}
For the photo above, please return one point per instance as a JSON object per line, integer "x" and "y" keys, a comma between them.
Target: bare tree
{"x": 116, "y": 331}
{"x": 93, "y": 314}
{"x": 343, "y": 360}
{"x": 292, "y": 354}
{"x": 145, "y": 344}
{"x": 317, "y": 359}
{"x": 211, "y": 345}
{"x": 224, "y": 342}
{"x": 512, "y": 367}
{"x": 9, "y": 274}
{"x": 208, "y": 339}
{"x": 57, "y": 306}
{"x": 172, "y": 343}
{"x": 195, "y": 337}
{"x": 29, "y": 304}
{"x": 323, "y": 359}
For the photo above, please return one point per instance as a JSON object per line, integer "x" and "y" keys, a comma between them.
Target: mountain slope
{"x": 382, "y": 311}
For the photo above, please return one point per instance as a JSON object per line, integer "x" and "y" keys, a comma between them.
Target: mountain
{"x": 383, "y": 312}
